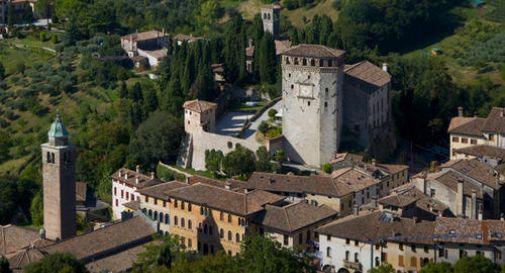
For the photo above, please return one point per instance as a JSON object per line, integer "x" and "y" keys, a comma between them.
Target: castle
{"x": 321, "y": 98}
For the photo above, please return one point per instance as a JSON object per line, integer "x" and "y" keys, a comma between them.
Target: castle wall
{"x": 203, "y": 141}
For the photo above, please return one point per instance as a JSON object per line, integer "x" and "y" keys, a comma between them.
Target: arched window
{"x": 347, "y": 253}
{"x": 287, "y": 60}
{"x": 183, "y": 223}
{"x": 167, "y": 219}
{"x": 155, "y": 215}
{"x": 182, "y": 204}
{"x": 237, "y": 238}
{"x": 150, "y": 213}
{"x": 356, "y": 257}
{"x": 144, "y": 210}
{"x": 328, "y": 252}
{"x": 229, "y": 218}
{"x": 229, "y": 236}
{"x": 175, "y": 220}
{"x": 377, "y": 262}
{"x": 190, "y": 224}
{"x": 48, "y": 157}
{"x": 221, "y": 233}
{"x": 160, "y": 218}
{"x": 189, "y": 206}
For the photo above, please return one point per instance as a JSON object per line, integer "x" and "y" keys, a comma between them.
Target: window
{"x": 127, "y": 195}
{"x": 230, "y": 145}
{"x": 292, "y": 86}
{"x": 491, "y": 137}
{"x": 473, "y": 141}
{"x": 413, "y": 262}
{"x": 183, "y": 222}
{"x": 347, "y": 253}
{"x": 117, "y": 203}
{"x": 221, "y": 216}
{"x": 326, "y": 91}
{"x": 160, "y": 218}
{"x": 356, "y": 257}
{"x": 432, "y": 192}
{"x": 176, "y": 204}
{"x": 300, "y": 239}
{"x": 308, "y": 103}
{"x": 426, "y": 249}
{"x": 401, "y": 246}
{"x": 167, "y": 219}
{"x": 122, "y": 193}
{"x": 356, "y": 243}
{"x": 115, "y": 192}
{"x": 175, "y": 220}
{"x": 182, "y": 204}
{"x": 296, "y": 61}
{"x": 330, "y": 63}
{"x": 285, "y": 240}
{"x": 190, "y": 243}
{"x": 313, "y": 62}
{"x": 325, "y": 104}
{"x": 287, "y": 61}
{"x": 189, "y": 207}
{"x": 304, "y": 61}
{"x": 190, "y": 224}
{"x": 464, "y": 140}
{"x": 237, "y": 238}
{"x": 400, "y": 261}
{"x": 229, "y": 218}
{"x": 455, "y": 139}
{"x": 347, "y": 241}
{"x": 201, "y": 210}
{"x": 229, "y": 235}
{"x": 328, "y": 252}
{"x": 308, "y": 234}
{"x": 221, "y": 233}
{"x": 413, "y": 248}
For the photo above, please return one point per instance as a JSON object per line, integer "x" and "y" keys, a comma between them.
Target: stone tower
{"x": 58, "y": 170}
{"x": 312, "y": 95}
{"x": 270, "y": 15}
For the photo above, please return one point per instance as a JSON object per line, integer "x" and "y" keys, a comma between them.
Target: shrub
{"x": 327, "y": 168}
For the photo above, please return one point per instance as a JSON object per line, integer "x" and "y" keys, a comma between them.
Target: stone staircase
{"x": 185, "y": 152}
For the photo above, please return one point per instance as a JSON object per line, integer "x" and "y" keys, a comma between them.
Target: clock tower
{"x": 58, "y": 171}
{"x": 312, "y": 96}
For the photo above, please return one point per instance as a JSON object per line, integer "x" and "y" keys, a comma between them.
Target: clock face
{"x": 305, "y": 91}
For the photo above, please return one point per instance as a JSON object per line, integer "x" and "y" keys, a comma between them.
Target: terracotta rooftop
{"x": 238, "y": 203}
{"x": 281, "y": 46}
{"x": 483, "y": 150}
{"x": 18, "y": 261}
{"x": 398, "y": 200}
{"x": 232, "y": 183}
{"x": 423, "y": 201}
{"x": 373, "y": 226}
{"x": 159, "y": 191}
{"x": 281, "y": 183}
{"x": 475, "y": 169}
{"x": 368, "y": 72}
{"x": 199, "y": 106}
{"x": 313, "y": 51}
{"x": 143, "y": 36}
{"x": 495, "y": 121}
{"x": 14, "y": 238}
{"x": 466, "y": 126}
{"x": 469, "y": 231}
{"x": 451, "y": 179}
{"x": 133, "y": 205}
{"x": 347, "y": 156}
{"x": 293, "y": 217}
{"x": 353, "y": 179}
{"x": 120, "y": 262}
{"x": 105, "y": 241}
{"x": 129, "y": 177}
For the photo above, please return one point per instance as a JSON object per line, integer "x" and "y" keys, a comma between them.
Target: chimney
{"x": 385, "y": 67}
{"x": 424, "y": 184}
{"x": 374, "y": 162}
{"x": 137, "y": 168}
{"x": 460, "y": 199}
{"x": 227, "y": 185}
{"x": 136, "y": 179}
{"x": 474, "y": 205}
{"x": 355, "y": 210}
{"x": 152, "y": 175}
{"x": 461, "y": 112}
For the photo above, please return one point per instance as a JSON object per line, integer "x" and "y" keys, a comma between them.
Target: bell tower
{"x": 58, "y": 171}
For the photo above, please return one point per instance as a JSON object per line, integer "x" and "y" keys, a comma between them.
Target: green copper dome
{"x": 57, "y": 130}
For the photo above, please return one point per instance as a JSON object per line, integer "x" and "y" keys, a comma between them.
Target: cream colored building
{"x": 472, "y": 137}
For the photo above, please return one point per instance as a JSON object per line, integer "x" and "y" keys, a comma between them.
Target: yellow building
{"x": 206, "y": 218}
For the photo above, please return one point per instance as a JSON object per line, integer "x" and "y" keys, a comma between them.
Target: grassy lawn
{"x": 250, "y": 8}
{"x": 238, "y": 106}
{"x": 194, "y": 172}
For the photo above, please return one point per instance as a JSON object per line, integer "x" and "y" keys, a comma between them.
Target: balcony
{"x": 356, "y": 266}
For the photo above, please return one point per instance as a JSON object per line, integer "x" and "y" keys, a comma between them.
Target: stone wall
{"x": 203, "y": 141}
